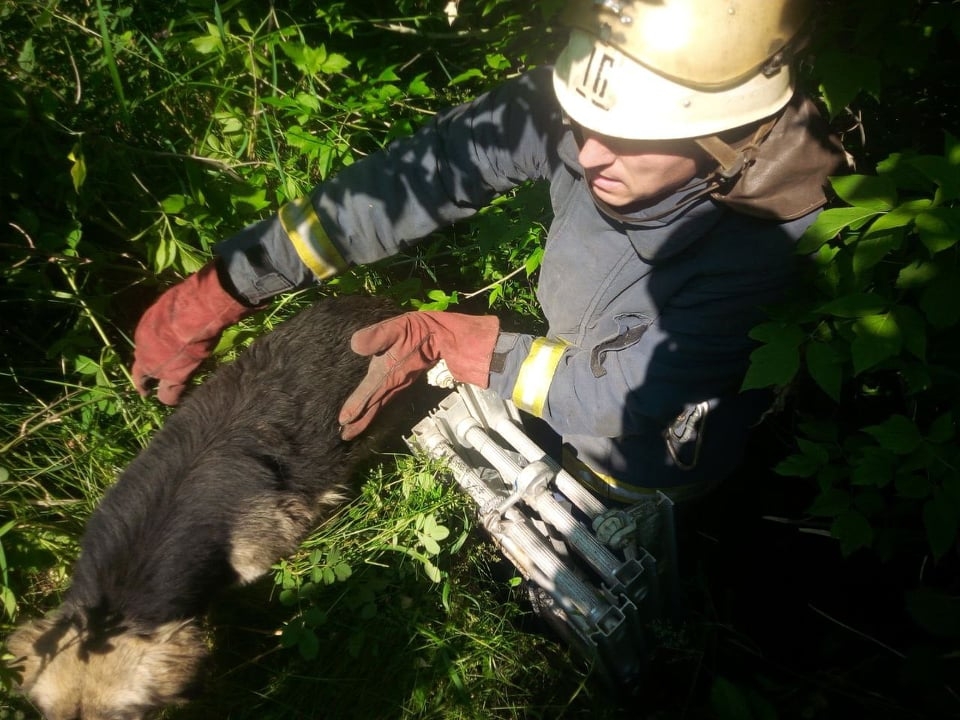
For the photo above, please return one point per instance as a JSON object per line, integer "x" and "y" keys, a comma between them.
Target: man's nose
{"x": 593, "y": 153}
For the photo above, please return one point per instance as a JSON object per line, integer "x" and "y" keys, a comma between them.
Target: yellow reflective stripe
{"x": 609, "y": 487}
{"x": 310, "y": 240}
{"x": 536, "y": 374}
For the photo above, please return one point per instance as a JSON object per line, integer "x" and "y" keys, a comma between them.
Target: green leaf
{"x": 8, "y": 601}
{"x": 870, "y": 192}
{"x": 825, "y": 367}
{"x": 939, "y": 228}
{"x": 844, "y": 75}
{"x": 27, "y": 59}
{"x": 951, "y": 145}
{"x": 342, "y": 571}
{"x": 899, "y": 217}
{"x": 935, "y": 612}
{"x": 854, "y": 305}
{"x": 313, "y": 147}
{"x": 940, "y": 301}
{"x": 432, "y": 571}
{"x": 822, "y": 429}
{"x": 874, "y": 467}
{"x": 209, "y": 43}
{"x": 418, "y": 88}
{"x": 912, "y": 486}
{"x": 465, "y": 76}
{"x": 853, "y": 530}
{"x": 290, "y": 635}
{"x": 878, "y": 338}
{"x": 797, "y": 465}
{"x": 497, "y": 61}
{"x": 533, "y": 261}
{"x": 85, "y": 366}
{"x": 913, "y": 330}
{"x": 368, "y": 611}
{"x": 388, "y": 75}
{"x": 315, "y": 617}
{"x": 916, "y": 376}
{"x": 831, "y": 502}
{"x": 814, "y": 450}
{"x": 942, "y": 430}
{"x": 335, "y": 63}
{"x": 828, "y": 225}
{"x": 898, "y": 434}
{"x": 917, "y": 274}
{"x": 940, "y": 171}
{"x": 869, "y": 502}
{"x": 435, "y": 530}
{"x": 871, "y": 249}
{"x": 941, "y": 520}
{"x": 314, "y": 60}
{"x": 308, "y": 644}
{"x": 164, "y": 253}
{"x": 728, "y": 701}
{"x": 78, "y": 169}
{"x": 173, "y": 204}
{"x": 771, "y": 365}
{"x": 430, "y": 546}
{"x": 778, "y": 333}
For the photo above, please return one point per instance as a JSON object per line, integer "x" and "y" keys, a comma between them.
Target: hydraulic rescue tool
{"x": 598, "y": 575}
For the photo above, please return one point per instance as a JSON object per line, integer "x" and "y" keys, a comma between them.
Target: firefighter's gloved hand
{"x": 179, "y": 331}
{"x": 404, "y": 347}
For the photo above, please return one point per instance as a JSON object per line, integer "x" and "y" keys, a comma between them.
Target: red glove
{"x": 180, "y": 330}
{"x": 405, "y": 346}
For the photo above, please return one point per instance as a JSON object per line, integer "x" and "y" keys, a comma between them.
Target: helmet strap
{"x": 733, "y": 160}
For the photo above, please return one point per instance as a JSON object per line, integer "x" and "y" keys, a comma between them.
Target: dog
{"x": 237, "y": 476}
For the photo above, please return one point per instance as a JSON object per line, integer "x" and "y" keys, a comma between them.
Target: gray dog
{"x": 238, "y": 475}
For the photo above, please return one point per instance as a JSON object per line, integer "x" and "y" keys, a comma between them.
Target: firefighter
{"x": 683, "y": 166}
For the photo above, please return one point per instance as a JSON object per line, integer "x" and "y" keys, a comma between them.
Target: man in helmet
{"x": 682, "y": 168}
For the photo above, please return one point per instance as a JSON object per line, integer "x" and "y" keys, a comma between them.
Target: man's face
{"x": 629, "y": 174}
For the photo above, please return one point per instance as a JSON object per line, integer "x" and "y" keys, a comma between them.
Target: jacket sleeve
{"x": 646, "y": 370}
{"x": 448, "y": 170}
{"x": 649, "y": 381}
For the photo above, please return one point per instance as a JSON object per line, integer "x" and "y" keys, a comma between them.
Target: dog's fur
{"x": 237, "y": 476}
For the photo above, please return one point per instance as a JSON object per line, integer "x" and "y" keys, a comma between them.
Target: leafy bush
{"x": 866, "y": 357}
{"x": 878, "y": 337}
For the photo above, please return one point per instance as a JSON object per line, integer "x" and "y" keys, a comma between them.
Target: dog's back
{"x": 231, "y": 483}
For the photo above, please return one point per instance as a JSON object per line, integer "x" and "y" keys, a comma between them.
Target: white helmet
{"x": 669, "y": 69}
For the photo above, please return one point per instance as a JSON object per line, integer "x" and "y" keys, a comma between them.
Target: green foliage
{"x": 402, "y": 515}
{"x": 880, "y": 332}
{"x": 133, "y": 142}
{"x": 866, "y": 356}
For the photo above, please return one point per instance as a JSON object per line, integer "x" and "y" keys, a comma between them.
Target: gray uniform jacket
{"x": 654, "y": 314}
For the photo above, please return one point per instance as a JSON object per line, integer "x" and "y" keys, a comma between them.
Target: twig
{"x": 823, "y": 532}
{"x": 455, "y": 35}
{"x": 26, "y": 429}
{"x": 492, "y": 285}
{"x": 857, "y": 632}
{"x": 950, "y": 691}
{"x": 76, "y": 74}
